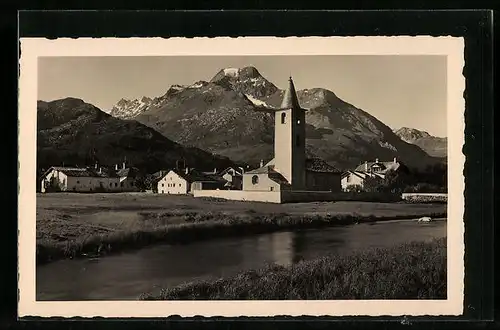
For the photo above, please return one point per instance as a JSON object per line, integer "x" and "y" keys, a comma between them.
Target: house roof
{"x": 384, "y": 165}
{"x": 84, "y": 172}
{"x": 266, "y": 169}
{"x": 237, "y": 171}
{"x": 194, "y": 176}
{"x": 319, "y": 165}
{"x": 128, "y": 172}
{"x": 314, "y": 164}
{"x": 362, "y": 175}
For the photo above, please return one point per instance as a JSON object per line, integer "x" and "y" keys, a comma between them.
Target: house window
{"x": 111, "y": 184}
{"x": 77, "y": 182}
{"x": 163, "y": 191}
{"x": 180, "y": 185}
{"x": 173, "y": 185}
{"x": 271, "y": 188}
{"x": 121, "y": 184}
{"x": 116, "y": 184}
{"x": 283, "y": 117}
{"x": 255, "y": 179}
{"x": 163, "y": 185}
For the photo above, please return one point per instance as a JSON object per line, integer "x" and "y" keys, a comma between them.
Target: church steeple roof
{"x": 290, "y": 99}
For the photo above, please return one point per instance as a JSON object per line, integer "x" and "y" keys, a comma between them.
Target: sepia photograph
{"x": 213, "y": 171}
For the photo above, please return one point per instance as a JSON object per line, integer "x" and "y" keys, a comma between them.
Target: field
{"x": 73, "y": 225}
{"x": 409, "y": 271}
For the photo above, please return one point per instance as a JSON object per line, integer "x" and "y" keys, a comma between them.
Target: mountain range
{"x": 219, "y": 116}
{"x": 73, "y": 132}
{"x": 433, "y": 145}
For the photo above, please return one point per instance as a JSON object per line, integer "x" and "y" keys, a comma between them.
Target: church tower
{"x": 290, "y": 139}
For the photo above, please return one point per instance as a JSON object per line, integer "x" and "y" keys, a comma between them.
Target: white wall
{"x": 283, "y": 144}
{"x": 351, "y": 180}
{"x": 240, "y": 195}
{"x": 264, "y": 184}
{"x": 83, "y": 184}
{"x": 173, "y": 184}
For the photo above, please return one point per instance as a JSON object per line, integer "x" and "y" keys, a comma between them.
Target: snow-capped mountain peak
{"x": 127, "y": 109}
{"x": 231, "y": 72}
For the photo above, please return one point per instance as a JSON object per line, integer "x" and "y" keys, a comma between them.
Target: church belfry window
{"x": 283, "y": 117}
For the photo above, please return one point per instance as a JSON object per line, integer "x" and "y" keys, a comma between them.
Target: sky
{"x": 399, "y": 90}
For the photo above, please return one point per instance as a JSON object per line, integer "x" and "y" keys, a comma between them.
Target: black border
{"x": 474, "y": 26}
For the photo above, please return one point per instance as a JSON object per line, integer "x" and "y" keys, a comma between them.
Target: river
{"x": 125, "y": 276}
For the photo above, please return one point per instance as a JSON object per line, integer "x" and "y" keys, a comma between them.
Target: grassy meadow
{"x": 408, "y": 271}
{"x": 70, "y": 225}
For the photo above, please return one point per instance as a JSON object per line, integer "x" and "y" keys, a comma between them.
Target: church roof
{"x": 290, "y": 99}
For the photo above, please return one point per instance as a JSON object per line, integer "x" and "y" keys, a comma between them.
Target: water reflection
{"x": 127, "y": 275}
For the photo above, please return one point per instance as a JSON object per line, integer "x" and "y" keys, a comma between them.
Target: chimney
{"x": 395, "y": 160}
{"x": 100, "y": 170}
{"x": 123, "y": 165}
{"x": 215, "y": 170}
{"x": 96, "y": 165}
{"x": 376, "y": 160}
{"x": 187, "y": 170}
{"x": 261, "y": 163}
{"x": 242, "y": 170}
{"x": 366, "y": 166}
{"x": 116, "y": 167}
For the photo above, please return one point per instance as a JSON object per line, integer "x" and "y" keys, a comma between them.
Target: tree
{"x": 355, "y": 188}
{"x": 373, "y": 184}
{"x": 145, "y": 182}
{"x": 53, "y": 185}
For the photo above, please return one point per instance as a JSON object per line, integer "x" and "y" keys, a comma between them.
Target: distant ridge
{"x": 72, "y": 131}
{"x": 432, "y": 145}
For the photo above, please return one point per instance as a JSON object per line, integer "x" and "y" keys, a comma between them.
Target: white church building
{"x": 289, "y": 176}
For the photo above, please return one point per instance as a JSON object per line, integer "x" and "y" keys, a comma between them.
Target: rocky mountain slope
{"x": 434, "y": 146}
{"x": 219, "y": 116}
{"x": 73, "y": 132}
{"x": 128, "y": 109}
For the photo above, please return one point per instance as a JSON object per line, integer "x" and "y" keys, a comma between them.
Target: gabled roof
{"x": 128, "y": 172}
{"x": 384, "y": 165}
{"x": 266, "y": 169}
{"x": 194, "y": 176}
{"x": 362, "y": 174}
{"x": 319, "y": 165}
{"x": 237, "y": 171}
{"x": 83, "y": 172}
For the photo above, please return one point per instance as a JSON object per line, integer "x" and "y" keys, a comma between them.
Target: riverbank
{"x": 80, "y": 225}
{"x": 408, "y": 271}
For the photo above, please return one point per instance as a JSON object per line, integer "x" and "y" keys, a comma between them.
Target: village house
{"x": 290, "y": 169}
{"x": 375, "y": 169}
{"x": 80, "y": 180}
{"x": 87, "y": 179}
{"x": 185, "y": 181}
